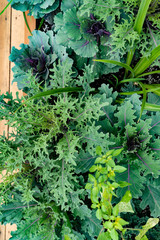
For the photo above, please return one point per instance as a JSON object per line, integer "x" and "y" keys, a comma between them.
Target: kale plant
{"x": 39, "y": 156}
{"x": 38, "y": 56}
{"x": 87, "y": 35}
{"x": 36, "y": 8}
{"x": 140, "y": 139}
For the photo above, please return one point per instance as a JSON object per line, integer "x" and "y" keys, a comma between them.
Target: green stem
{"x": 41, "y": 23}
{"x": 25, "y": 19}
{"x": 6, "y": 7}
{"x": 138, "y": 26}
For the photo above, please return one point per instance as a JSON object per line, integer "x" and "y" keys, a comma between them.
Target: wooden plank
{"x": 13, "y": 33}
{"x": 5, "y": 25}
{"x": 2, "y": 232}
{"x": 19, "y": 34}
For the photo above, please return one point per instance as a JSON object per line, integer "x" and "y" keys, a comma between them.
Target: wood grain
{"x": 13, "y": 32}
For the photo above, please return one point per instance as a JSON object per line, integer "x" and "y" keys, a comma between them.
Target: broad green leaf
{"x": 104, "y": 236}
{"x": 98, "y": 150}
{"x": 84, "y": 48}
{"x": 119, "y": 169}
{"x": 115, "y": 210}
{"x": 99, "y": 214}
{"x": 93, "y": 168}
{"x": 144, "y": 238}
{"x": 127, "y": 197}
{"x": 125, "y": 204}
{"x": 71, "y": 24}
{"x": 66, "y": 237}
{"x": 108, "y": 225}
{"x": 151, "y": 197}
{"x": 117, "y": 152}
{"x": 114, "y": 234}
{"x": 150, "y": 224}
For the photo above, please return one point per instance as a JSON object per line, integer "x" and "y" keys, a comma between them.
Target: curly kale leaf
{"x": 48, "y": 135}
{"x": 139, "y": 139}
{"x": 36, "y": 8}
{"x": 152, "y": 197}
{"x": 38, "y": 56}
{"x": 84, "y": 34}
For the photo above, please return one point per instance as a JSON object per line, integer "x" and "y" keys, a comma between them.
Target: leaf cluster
{"x": 36, "y": 8}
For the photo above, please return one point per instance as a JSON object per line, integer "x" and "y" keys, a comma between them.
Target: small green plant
{"x": 102, "y": 185}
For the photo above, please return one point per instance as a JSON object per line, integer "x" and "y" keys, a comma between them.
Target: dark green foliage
{"x": 36, "y": 8}
{"x": 137, "y": 219}
{"x": 37, "y": 57}
{"x": 88, "y": 35}
{"x": 42, "y": 150}
{"x": 140, "y": 140}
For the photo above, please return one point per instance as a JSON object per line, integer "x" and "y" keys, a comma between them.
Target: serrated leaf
{"x": 132, "y": 176}
{"x": 151, "y": 197}
{"x": 125, "y": 115}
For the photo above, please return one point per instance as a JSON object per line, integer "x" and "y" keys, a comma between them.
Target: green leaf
{"x": 114, "y": 234}
{"x": 99, "y": 214}
{"x": 115, "y": 210}
{"x": 150, "y": 224}
{"x": 116, "y": 63}
{"x": 84, "y": 48}
{"x": 108, "y": 225}
{"x": 151, "y": 197}
{"x": 144, "y": 238}
{"x": 93, "y": 168}
{"x": 145, "y": 62}
{"x": 71, "y": 24}
{"x": 6, "y": 7}
{"x": 66, "y": 237}
{"x": 151, "y": 107}
{"x": 104, "y": 236}
{"x": 98, "y": 150}
{"x": 139, "y": 21}
{"x": 117, "y": 152}
{"x": 119, "y": 169}
{"x": 127, "y": 197}
{"x": 144, "y": 98}
{"x": 125, "y": 115}
{"x": 125, "y": 207}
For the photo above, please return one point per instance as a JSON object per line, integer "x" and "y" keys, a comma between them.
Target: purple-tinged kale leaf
{"x": 38, "y": 57}
{"x": 140, "y": 141}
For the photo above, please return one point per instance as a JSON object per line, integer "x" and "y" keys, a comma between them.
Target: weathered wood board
{"x": 13, "y": 32}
